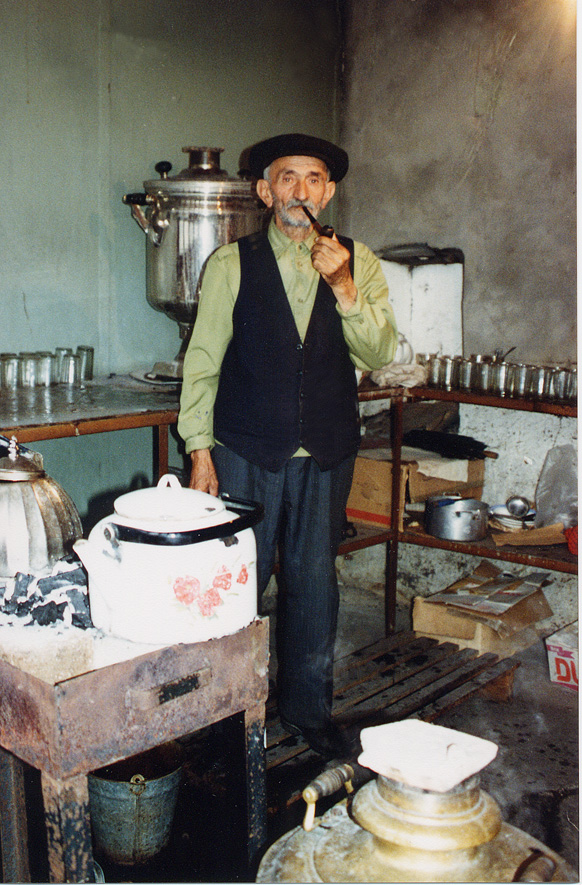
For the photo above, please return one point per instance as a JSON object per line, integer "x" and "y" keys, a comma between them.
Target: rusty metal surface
{"x": 256, "y": 766}
{"x": 68, "y": 826}
{"x": 88, "y": 408}
{"x": 105, "y": 715}
{"x": 13, "y": 828}
{"x": 28, "y": 716}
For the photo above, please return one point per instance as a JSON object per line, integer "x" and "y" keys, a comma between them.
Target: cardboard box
{"x": 371, "y": 493}
{"x": 562, "y": 649}
{"x": 473, "y": 614}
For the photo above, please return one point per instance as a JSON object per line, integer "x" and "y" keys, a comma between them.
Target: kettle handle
{"x": 169, "y": 480}
{"x": 111, "y": 538}
{"x": 157, "y": 224}
{"x": 249, "y": 514}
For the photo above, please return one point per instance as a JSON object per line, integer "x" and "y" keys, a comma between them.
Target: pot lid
{"x": 202, "y": 177}
{"x": 170, "y": 505}
{"x": 19, "y": 464}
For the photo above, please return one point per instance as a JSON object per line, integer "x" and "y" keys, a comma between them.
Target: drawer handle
{"x": 148, "y": 698}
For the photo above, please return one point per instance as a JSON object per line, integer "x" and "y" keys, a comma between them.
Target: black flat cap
{"x": 295, "y": 144}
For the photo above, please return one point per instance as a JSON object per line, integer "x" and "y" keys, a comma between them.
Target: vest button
{"x": 299, "y": 347}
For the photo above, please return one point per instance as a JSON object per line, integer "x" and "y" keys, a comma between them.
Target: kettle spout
{"x": 99, "y": 561}
{"x": 86, "y": 553}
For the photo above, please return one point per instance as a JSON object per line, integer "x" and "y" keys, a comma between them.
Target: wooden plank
{"x": 357, "y": 661}
{"x": 403, "y": 700}
{"x": 500, "y": 689}
{"x": 416, "y": 651}
{"x": 382, "y": 691}
{"x": 478, "y": 684}
{"x": 296, "y": 757}
{"x": 394, "y": 679}
{"x": 558, "y": 558}
{"x": 367, "y": 536}
{"x": 369, "y": 652}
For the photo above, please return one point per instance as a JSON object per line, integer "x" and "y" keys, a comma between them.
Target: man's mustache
{"x": 293, "y": 203}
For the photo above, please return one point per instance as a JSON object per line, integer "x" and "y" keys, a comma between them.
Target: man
{"x": 270, "y": 387}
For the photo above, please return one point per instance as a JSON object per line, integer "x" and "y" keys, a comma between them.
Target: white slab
{"x": 422, "y": 755}
{"x": 427, "y": 301}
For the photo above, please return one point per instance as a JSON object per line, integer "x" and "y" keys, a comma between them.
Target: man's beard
{"x": 297, "y": 219}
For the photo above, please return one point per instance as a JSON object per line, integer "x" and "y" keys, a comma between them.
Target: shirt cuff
{"x": 355, "y": 309}
{"x": 198, "y": 442}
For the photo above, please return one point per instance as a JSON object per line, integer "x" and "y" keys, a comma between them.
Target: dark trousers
{"x": 304, "y": 517}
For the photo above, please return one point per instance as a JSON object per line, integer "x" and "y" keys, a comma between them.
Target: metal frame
{"x": 96, "y": 718}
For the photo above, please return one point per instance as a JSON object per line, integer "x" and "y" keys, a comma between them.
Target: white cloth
{"x": 400, "y": 375}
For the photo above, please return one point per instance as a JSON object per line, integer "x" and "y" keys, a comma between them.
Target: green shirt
{"x": 369, "y": 326}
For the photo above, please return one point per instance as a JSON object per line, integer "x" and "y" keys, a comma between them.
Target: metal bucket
{"x": 133, "y": 803}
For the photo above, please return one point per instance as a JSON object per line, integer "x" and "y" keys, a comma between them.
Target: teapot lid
{"x": 168, "y": 504}
{"x": 20, "y": 464}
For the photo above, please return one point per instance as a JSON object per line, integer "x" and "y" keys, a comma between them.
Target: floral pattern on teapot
{"x": 188, "y": 589}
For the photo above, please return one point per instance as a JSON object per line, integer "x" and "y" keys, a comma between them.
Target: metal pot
{"x": 395, "y": 833}
{"x": 39, "y": 521}
{"x": 172, "y": 565}
{"x": 423, "y": 819}
{"x": 186, "y": 218}
{"x": 456, "y": 519}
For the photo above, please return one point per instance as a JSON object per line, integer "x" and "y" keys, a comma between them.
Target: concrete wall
{"x": 459, "y": 116}
{"x": 93, "y": 96}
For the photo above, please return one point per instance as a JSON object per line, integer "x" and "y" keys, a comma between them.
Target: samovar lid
{"x": 203, "y": 175}
{"x": 19, "y": 465}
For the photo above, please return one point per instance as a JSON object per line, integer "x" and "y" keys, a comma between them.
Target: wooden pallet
{"x": 399, "y": 677}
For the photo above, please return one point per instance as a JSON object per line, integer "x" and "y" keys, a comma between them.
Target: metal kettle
{"x": 186, "y": 217}
{"x": 39, "y": 521}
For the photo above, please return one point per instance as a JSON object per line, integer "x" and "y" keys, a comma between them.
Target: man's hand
{"x": 203, "y": 476}
{"x": 332, "y": 261}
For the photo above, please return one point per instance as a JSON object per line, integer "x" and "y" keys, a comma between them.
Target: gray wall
{"x": 93, "y": 95}
{"x": 459, "y": 116}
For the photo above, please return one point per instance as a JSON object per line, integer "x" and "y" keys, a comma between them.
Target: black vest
{"x": 276, "y": 394}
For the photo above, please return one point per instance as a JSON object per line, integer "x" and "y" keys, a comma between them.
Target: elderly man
{"x": 269, "y": 407}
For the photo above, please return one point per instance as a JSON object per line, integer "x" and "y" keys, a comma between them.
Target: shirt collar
{"x": 280, "y": 242}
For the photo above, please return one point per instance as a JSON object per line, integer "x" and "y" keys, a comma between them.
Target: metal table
{"x": 99, "y": 717}
{"x": 118, "y": 402}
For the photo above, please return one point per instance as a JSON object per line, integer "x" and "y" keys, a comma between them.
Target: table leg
{"x": 68, "y": 824}
{"x": 396, "y": 419}
{"x": 161, "y": 450}
{"x": 256, "y": 784}
{"x": 13, "y": 829}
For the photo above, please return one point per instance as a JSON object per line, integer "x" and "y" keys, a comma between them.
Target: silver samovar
{"x": 185, "y": 218}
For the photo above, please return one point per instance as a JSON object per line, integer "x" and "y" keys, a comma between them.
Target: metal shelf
{"x": 556, "y": 558}
{"x": 560, "y": 560}
{"x": 369, "y": 391}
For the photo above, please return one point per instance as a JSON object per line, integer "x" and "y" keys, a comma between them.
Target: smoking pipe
{"x": 324, "y": 230}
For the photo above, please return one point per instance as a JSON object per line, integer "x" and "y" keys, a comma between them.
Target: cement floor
{"x": 534, "y": 777}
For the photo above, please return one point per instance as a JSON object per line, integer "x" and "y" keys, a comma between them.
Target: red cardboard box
{"x": 562, "y": 649}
